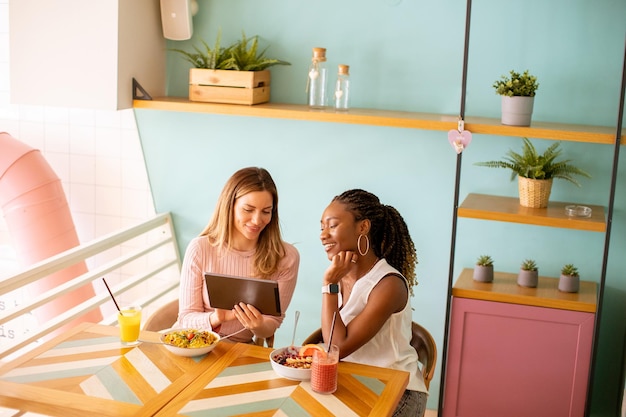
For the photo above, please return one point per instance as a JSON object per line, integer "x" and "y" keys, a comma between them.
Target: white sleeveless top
{"x": 391, "y": 346}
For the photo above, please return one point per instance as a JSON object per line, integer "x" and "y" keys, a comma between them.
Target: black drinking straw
{"x": 332, "y": 329}
{"x": 113, "y": 298}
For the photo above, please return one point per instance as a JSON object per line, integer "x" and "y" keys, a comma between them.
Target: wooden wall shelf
{"x": 389, "y": 118}
{"x": 504, "y": 289}
{"x": 508, "y": 209}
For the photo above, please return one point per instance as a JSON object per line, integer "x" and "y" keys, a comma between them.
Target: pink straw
{"x": 113, "y": 298}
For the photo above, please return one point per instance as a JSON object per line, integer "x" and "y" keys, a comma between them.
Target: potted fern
{"x": 569, "y": 281}
{"x": 535, "y": 172}
{"x": 518, "y": 97}
{"x": 528, "y": 275}
{"x": 483, "y": 270}
{"x": 235, "y": 74}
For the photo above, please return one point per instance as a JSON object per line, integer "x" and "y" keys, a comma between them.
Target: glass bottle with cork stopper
{"x": 342, "y": 88}
{"x": 316, "y": 83}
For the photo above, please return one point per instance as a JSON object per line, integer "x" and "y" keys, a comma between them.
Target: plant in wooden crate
{"x": 569, "y": 281}
{"x": 518, "y": 97}
{"x": 483, "y": 270}
{"x": 235, "y": 74}
{"x": 535, "y": 172}
{"x": 528, "y": 275}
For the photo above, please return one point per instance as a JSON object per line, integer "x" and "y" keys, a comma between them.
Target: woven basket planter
{"x": 534, "y": 193}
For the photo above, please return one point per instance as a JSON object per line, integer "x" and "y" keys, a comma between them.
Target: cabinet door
{"x": 515, "y": 360}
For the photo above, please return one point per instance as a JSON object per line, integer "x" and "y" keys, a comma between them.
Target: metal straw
{"x": 293, "y": 338}
{"x": 332, "y": 329}
{"x": 113, "y": 298}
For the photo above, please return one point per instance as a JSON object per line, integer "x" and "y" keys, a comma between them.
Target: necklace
{"x": 349, "y": 286}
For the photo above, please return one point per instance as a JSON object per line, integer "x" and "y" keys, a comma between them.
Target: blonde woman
{"x": 242, "y": 238}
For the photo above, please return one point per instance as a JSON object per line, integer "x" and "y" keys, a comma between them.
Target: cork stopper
{"x": 344, "y": 69}
{"x": 319, "y": 54}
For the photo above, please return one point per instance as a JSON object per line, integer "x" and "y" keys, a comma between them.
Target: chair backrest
{"x": 422, "y": 341}
{"x": 163, "y": 318}
{"x": 166, "y": 315}
{"x": 426, "y": 348}
{"x": 314, "y": 338}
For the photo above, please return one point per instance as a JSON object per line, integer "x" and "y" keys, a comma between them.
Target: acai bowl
{"x": 294, "y": 362}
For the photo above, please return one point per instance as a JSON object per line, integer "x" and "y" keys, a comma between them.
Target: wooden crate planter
{"x": 226, "y": 86}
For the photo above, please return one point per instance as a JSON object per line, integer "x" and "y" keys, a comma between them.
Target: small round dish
{"x": 190, "y": 351}
{"x": 298, "y": 374}
{"x": 577, "y": 211}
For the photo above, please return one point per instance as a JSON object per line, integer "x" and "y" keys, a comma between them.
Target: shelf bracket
{"x": 144, "y": 94}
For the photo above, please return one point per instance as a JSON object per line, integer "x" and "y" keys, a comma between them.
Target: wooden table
{"x": 88, "y": 372}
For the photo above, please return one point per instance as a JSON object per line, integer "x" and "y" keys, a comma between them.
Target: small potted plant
{"x": 528, "y": 274}
{"x": 518, "y": 96}
{"x": 483, "y": 270}
{"x": 569, "y": 281}
{"x": 535, "y": 172}
{"x": 236, "y": 74}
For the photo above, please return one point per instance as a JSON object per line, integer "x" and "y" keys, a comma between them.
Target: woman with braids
{"x": 369, "y": 284}
{"x": 243, "y": 239}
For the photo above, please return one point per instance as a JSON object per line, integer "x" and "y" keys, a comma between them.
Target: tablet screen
{"x": 225, "y": 291}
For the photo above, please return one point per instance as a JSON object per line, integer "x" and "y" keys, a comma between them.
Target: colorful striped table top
{"x": 88, "y": 372}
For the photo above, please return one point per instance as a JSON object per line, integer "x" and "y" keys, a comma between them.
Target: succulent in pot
{"x": 569, "y": 281}
{"x": 528, "y": 275}
{"x": 483, "y": 270}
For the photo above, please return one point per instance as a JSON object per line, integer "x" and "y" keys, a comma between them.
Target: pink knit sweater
{"x": 200, "y": 257}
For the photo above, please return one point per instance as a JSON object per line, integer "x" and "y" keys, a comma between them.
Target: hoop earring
{"x": 367, "y": 246}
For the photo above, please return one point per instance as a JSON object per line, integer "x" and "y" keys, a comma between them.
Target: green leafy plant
{"x": 207, "y": 57}
{"x": 570, "y": 270}
{"x": 484, "y": 260}
{"x": 529, "y": 265}
{"x": 531, "y": 164}
{"x": 243, "y": 55}
{"x": 516, "y": 84}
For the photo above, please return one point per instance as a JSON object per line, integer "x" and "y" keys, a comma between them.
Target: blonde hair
{"x": 219, "y": 230}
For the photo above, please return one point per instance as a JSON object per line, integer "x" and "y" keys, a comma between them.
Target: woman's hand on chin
{"x": 340, "y": 265}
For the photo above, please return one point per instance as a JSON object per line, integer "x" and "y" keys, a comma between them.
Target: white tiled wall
{"x": 96, "y": 154}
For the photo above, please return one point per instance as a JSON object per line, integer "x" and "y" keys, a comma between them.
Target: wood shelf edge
{"x": 508, "y": 209}
{"x": 390, "y": 118}
{"x": 504, "y": 289}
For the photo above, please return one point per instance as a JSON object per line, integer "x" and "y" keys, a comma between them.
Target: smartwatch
{"x": 330, "y": 289}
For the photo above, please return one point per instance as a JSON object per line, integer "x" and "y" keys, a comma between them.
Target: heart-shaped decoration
{"x": 459, "y": 140}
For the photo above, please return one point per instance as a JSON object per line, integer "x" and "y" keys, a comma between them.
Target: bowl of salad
{"x": 294, "y": 362}
{"x": 189, "y": 342}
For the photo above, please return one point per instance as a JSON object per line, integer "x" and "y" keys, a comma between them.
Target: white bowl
{"x": 298, "y": 374}
{"x": 189, "y": 351}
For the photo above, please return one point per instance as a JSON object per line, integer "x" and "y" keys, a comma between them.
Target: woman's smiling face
{"x": 252, "y": 212}
{"x": 339, "y": 230}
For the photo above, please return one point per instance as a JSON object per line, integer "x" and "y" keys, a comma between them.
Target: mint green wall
{"x": 407, "y": 55}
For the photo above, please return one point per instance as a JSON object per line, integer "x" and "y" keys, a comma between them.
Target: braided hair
{"x": 389, "y": 234}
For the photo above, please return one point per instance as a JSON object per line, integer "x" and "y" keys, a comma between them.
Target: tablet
{"x": 225, "y": 291}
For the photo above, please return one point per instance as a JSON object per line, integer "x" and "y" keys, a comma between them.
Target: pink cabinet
{"x": 510, "y": 355}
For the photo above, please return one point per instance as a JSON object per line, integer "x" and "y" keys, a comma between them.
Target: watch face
{"x": 334, "y": 288}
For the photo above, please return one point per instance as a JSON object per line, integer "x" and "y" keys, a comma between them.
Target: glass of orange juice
{"x": 129, "y": 319}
